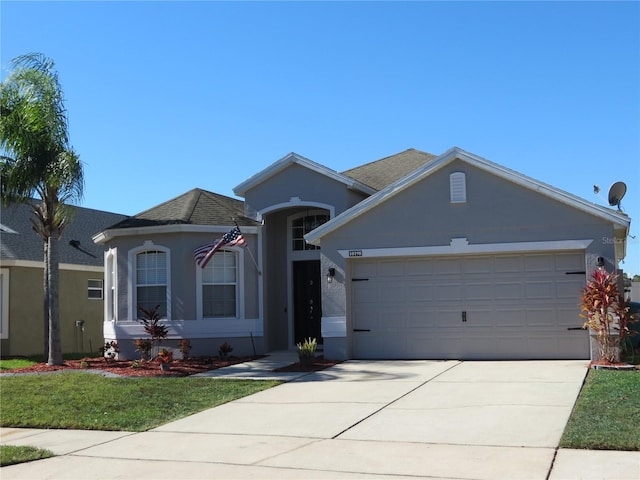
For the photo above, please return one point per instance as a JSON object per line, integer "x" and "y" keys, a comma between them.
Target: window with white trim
{"x": 151, "y": 280}
{"x": 458, "y": 187}
{"x": 94, "y": 289}
{"x": 220, "y": 286}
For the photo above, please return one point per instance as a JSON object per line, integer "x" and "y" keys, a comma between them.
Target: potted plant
{"x": 606, "y": 314}
{"x": 307, "y": 351}
{"x": 165, "y": 357}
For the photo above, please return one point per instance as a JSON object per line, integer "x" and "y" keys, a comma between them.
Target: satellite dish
{"x": 616, "y": 192}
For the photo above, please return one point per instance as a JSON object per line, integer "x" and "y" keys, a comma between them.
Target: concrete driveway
{"x": 402, "y": 419}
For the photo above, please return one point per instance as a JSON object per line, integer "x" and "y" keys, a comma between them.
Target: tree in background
{"x": 37, "y": 161}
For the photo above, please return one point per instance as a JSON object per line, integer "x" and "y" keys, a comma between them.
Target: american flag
{"x": 204, "y": 253}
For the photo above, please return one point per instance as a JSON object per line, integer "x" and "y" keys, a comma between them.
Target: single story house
{"x": 411, "y": 256}
{"x": 81, "y": 282}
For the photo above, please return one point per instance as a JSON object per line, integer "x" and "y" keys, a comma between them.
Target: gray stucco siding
{"x": 496, "y": 211}
{"x": 307, "y": 185}
{"x": 183, "y": 272}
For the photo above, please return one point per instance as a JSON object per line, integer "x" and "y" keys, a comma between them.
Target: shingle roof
{"x": 25, "y": 244}
{"x": 387, "y": 170}
{"x": 195, "y": 207}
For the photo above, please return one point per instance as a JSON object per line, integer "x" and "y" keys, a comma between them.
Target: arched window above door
{"x": 303, "y": 225}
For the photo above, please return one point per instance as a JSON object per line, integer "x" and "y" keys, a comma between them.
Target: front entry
{"x": 307, "y": 304}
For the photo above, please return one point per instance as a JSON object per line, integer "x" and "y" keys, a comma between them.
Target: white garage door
{"x": 473, "y": 307}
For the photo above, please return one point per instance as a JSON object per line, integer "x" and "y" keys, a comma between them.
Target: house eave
{"x": 108, "y": 235}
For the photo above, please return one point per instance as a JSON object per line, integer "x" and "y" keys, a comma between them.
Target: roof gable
{"x": 294, "y": 158}
{"x": 617, "y": 218}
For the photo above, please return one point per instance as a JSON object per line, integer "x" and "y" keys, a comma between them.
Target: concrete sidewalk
{"x": 359, "y": 419}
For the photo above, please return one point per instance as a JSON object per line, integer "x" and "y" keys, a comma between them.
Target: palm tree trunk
{"x": 55, "y": 350}
{"x": 45, "y": 310}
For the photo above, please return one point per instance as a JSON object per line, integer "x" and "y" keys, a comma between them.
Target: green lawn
{"x": 10, "y": 455}
{"x": 607, "y": 413}
{"x": 12, "y": 363}
{"x": 74, "y": 400}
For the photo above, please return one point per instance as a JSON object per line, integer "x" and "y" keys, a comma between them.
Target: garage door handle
{"x": 361, "y": 330}
{"x": 576, "y": 328}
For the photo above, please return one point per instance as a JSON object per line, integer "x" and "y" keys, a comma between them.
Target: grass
{"x": 16, "y": 363}
{"x": 74, "y": 400}
{"x": 606, "y": 415}
{"x": 10, "y": 455}
{"x": 21, "y": 362}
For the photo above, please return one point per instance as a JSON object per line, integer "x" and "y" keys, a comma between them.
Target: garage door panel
{"x": 448, "y": 292}
{"x": 479, "y": 291}
{"x": 568, "y": 289}
{"x": 482, "y": 265}
{"x": 540, "y": 317}
{"x": 420, "y": 267}
{"x": 419, "y": 292}
{"x": 539, "y": 291}
{"x": 508, "y": 291}
{"x": 508, "y": 264}
{"x": 568, "y": 262}
{"x": 517, "y": 306}
{"x": 392, "y": 293}
{"x": 538, "y": 263}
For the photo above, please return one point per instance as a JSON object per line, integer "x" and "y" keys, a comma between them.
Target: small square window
{"x": 94, "y": 289}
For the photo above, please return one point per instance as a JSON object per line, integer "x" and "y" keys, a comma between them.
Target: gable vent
{"x": 458, "y": 187}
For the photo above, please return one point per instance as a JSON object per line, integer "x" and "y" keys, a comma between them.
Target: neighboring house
{"x": 22, "y": 282}
{"x": 411, "y": 256}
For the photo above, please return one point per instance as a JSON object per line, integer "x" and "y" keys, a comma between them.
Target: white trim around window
{"x": 239, "y": 283}
{"x": 148, "y": 246}
{"x": 111, "y": 285}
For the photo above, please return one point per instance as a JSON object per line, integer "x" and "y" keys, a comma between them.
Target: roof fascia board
{"x": 107, "y": 235}
{"x": 294, "y": 158}
{"x": 447, "y": 157}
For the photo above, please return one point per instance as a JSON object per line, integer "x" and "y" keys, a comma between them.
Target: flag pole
{"x": 249, "y": 250}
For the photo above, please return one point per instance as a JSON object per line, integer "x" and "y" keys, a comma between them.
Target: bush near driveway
{"x": 606, "y": 415}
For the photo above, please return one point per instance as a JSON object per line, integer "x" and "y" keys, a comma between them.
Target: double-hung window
{"x": 220, "y": 286}
{"x": 151, "y": 280}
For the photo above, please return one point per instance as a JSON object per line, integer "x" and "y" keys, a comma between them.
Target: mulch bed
{"x": 179, "y": 368}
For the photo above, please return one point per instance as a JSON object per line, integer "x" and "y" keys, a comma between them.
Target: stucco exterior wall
{"x": 496, "y": 211}
{"x": 26, "y": 312}
{"x": 305, "y": 184}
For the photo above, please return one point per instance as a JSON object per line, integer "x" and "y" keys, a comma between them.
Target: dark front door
{"x": 307, "y": 306}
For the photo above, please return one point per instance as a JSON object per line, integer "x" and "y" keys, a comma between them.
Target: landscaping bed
{"x": 151, "y": 368}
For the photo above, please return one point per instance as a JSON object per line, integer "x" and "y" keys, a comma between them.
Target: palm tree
{"x": 36, "y": 159}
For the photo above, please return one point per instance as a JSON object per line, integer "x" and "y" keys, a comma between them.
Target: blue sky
{"x": 164, "y": 97}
